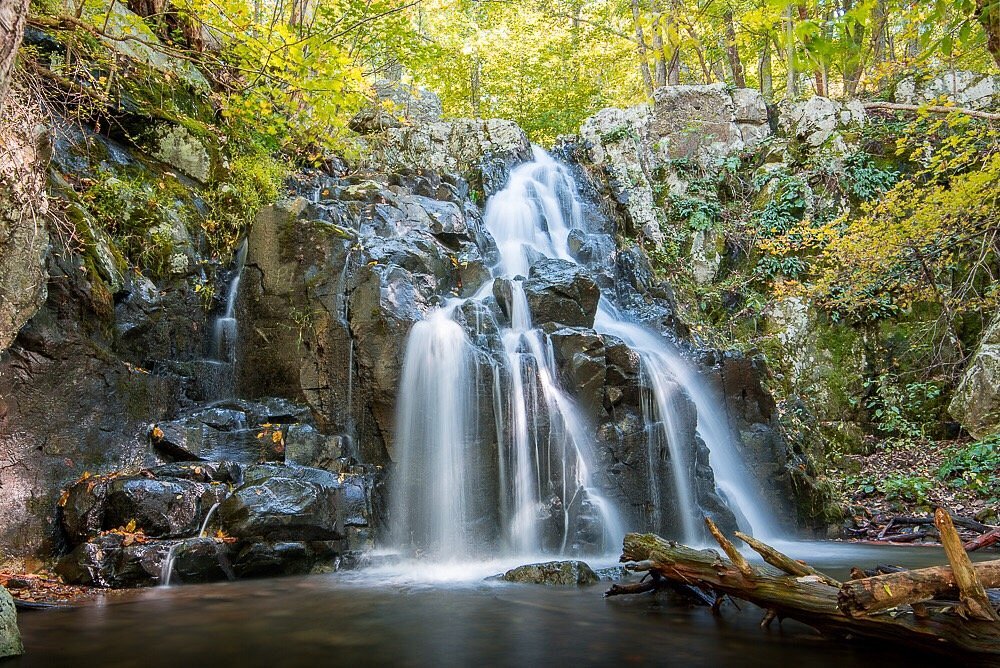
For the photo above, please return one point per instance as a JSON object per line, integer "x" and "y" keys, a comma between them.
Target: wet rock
{"x": 199, "y": 560}
{"x": 580, "y": 356}
{"x": 306, "y": 446}
{"x": 976, "y": 402}
{"x": 107, "y": 561}
{"x": 285, "y": 558}
{"x": 163, "y": 508}
{"x": 561, "y": 292}
{"x": 82, "y": 511}
{"x": 553, "y": 573}
{"x": 204, "y": 472}
{"x": 10, "y": 636}
{"x": 284, "y": 503}
{"x": 23, "y": 241}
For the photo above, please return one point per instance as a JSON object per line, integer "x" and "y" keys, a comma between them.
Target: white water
{"x": 438, "y": 438}
{"x": 224, "y": 330}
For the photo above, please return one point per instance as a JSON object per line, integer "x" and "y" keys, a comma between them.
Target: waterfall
{"x": 539, "y": 485}
{"x": 224, "y": 330}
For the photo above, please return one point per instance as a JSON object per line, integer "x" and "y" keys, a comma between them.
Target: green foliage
{"x": 143, "y": 218}
{"x": 900, "y": 409}
{"x": 253, "y": 181}
{"x": 975, "y": 467}
{"x": 896, "y": 487}
{"x": 865, "y": 180}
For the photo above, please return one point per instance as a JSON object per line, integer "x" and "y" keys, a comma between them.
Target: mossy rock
{"x": 564, "y": 573}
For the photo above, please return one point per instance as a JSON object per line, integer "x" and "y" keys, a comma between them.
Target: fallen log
{"x": 808, "y": 599}
{"x": 985, "y": 540}
{"x": 971, "y": 592}
{"x": 964, "y": 522}
{"x": 881, "y": 592}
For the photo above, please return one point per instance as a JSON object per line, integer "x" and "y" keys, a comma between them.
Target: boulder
{"x": 198, "y": 560}
{"x": 10, "y": 636}
{"x": 561, "y": 292}
{"x": 112, "y": 561}
{"x": 553, "y": 573}
{"x": 286, "y": 503}
{"x": 822, "y": 123}
{"x": 285, "y": 558}
{"x": 976, "y": 402}
{"x": 163, "y": 508}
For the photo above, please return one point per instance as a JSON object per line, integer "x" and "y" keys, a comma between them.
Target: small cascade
{"x": 167, "y": 565}
{"x": 208, "y": 516}
{"x": 537, "y": 494}
{"x": 224, "y": 329}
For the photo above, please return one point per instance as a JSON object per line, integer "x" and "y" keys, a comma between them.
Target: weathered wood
{"x": 985, "y": 540}
{"x": 970, "y": 590}
{"x": 809, "y": 600}
{"x": 734, "y": 555}
{"x": 935, "y": 109}
{"x": 881, "y": 592}
{"x": 784, "y": 562}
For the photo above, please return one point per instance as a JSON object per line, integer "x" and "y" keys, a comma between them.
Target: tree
{"x": 13, "y": 14}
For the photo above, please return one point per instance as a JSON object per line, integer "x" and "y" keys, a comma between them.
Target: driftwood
{"x": 796, "y": 591}
{"x": 985, "y": 540}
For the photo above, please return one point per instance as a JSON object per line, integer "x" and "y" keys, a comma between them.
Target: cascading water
{"x": 447, "y": 494}
{"x": 224, "y": 329}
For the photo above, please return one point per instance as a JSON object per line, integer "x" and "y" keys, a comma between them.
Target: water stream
{"x": 450, "y": 492}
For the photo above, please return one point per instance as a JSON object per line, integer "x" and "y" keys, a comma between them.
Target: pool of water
{"x": 444, "y": 615}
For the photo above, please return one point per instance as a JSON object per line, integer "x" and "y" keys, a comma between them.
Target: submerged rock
{"x": 553, "y": 573}
{"x": 10, "y": 636}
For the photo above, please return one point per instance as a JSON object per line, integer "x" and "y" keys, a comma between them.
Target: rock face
{"x": 822, "y": 123}
{"x": 964, "y": 88}
{"x": 628, "y": 149}
{"x": 23, "y": 232}
{"x": 10, "y": 637}
{"x": 976, "y": 402}
{"x": 557, "y": 573}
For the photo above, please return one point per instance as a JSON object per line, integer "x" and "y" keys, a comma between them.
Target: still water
{"x": 444, "y": 615}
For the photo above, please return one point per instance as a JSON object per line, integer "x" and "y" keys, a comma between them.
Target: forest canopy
{"x": 305, "y": 66}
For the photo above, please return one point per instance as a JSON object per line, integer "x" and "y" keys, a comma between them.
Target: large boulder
{"x": 976, "y": 402}
{"x": 10, "y": 636}
{"x": 822, "y": 124}
{"x": 553, "y": 573}
{"x": 292, "y": 503}
{"x": 114, "y": 560}
{"x": 561, "y": 292}
{"x": 167, "y": 508}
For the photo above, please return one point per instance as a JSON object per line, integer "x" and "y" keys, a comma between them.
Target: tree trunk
{"x": 766, "y": 72}
{"x": 659, "y": 49}
{"x": 817, "y": 71}
{"x": 640, "y": 40}
{"x": 988, "y": 14}
{"x": 733, "y": 51}
{"x": 791, "y": 91}
{"x": 13, "y": 14}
